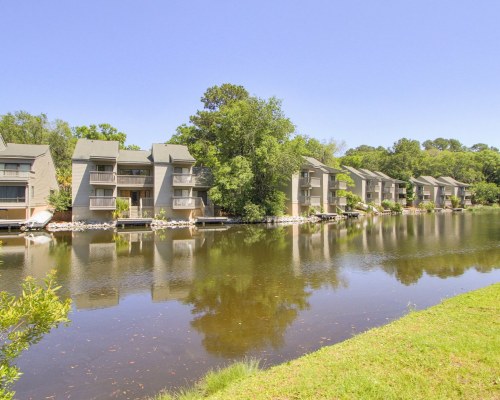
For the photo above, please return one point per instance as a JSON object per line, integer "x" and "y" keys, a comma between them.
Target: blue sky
{"x": 363, "y": 72}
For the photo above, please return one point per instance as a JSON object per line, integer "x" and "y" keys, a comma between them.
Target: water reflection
{"x": 220, "y": 293}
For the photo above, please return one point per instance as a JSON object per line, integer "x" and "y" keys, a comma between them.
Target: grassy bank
{"x": 449, "y": 351}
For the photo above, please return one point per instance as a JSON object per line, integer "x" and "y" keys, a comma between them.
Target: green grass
{"x": 215, "y": 381}
{"x": 449, "y": 351}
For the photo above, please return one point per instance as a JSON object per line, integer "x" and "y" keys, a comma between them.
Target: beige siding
{"x": 81, "y": 189}
{"x": 44, "y": 180}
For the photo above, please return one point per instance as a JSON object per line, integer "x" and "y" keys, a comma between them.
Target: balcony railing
{"x": 13, "y": 200}
{"x": 310, "y": 200}
{"x": 310, "y": 182}
{"x": 102, "y": 203}
{"x": 388, "y": 189}
{"x": 14, "y": 174}
{"x": 146, "y": 202}
{"x": 424, "y": 192}
{"x": 183, "y": 179}
{"x": 135, "y": 180}
{"x": 339, "y": 185}
{"x": 373, "y": 188}
{"x": 337, "y": 201}
{"x": 465, "y": 193}
{"x": 187, "y": 203}
{"x": 446, "y": 192}
{"x": 102, "y": 177}
{"x": 403, "y": 191}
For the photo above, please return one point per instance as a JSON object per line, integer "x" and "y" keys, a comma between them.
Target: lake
{"x": 159, "y": 309}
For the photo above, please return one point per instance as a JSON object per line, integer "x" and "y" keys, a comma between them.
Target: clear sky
{"x": 363, "y": 72}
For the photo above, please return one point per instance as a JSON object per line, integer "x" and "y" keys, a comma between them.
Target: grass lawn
{"x": 449, "y": 351}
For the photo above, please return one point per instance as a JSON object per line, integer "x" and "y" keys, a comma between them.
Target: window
{"x": 104, "y": 168}
{"x": 181, "y": 170}
{"x": 304, "y": 174}
{"x": 104, "y": 192}
{"x": 12, "y": 193}
{"x": 181, "y": 192}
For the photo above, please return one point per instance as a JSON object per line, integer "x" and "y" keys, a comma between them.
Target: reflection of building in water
{"x": 31, "y": 251}
{"x": 173, "y": 272}
{"x": 107, "y": 265}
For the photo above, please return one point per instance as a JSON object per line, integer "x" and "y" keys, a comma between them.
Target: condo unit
{"x": 316, "y": 186}
{"x": 161, "y": 181}
{"x": 374, "y": 187}
{"x": 27, "y": 176}
{"x": 440, "y": 191}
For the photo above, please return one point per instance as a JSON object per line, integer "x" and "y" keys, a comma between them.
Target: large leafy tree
{"x": 246, "y": 141}
{"x": 100, "y": 132}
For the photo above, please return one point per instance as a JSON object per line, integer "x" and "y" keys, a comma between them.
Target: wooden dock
{"x": 123, "y": 222}
{"x": 350, "y": 214}
{"x": 210, "y": 220}
{"x": 326, "y": 216}
{"x": 11, "y": 223}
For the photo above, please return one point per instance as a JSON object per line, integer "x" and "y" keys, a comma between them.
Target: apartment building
{"x": 316, "y": 186}
{"x": 375, "y": 186}
{"x": 439, "y": 190}
{"x": 27, "y": 176}
{"x": 160, "y": 181}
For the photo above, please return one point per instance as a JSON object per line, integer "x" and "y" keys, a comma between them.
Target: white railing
{"x": 373, "y": 188}
{"x": 13, "y": 200}
{"x": 186, "y": 203}
{"x": 310, "y": 200}
{"x": 310, "y": 181}
{"x": 146, "y": 202}
{"x": 140, "y": 180}
{"x": 337, "y": 201}
{"x": 102, "y": 177}
{"x": 102, "y": 203}
{"x": 339, "y": 185}
{"x": 183, "y": 179}
{"x": 14, "y": 173}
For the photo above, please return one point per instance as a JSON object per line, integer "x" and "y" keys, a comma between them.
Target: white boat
{"x": 39, "y": 220}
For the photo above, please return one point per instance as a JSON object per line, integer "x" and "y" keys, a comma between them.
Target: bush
{"x": 430, "y": 206}
{"x": 387, "y": 204}
{"x": 253, "y": 213}
{"x": 24, "y": 321}
{"x": 486, "y": 193}
{"x": 396, "y": 207}
{"x": 122, "y": 206}
{"x": 60, "y": 200}
{"x": 352, "y": 200}
{"x": 455, "y": 201}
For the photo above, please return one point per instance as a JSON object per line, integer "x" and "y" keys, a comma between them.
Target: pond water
{"x": 158, "y": 309}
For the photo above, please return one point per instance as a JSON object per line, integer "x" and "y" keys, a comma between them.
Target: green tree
{"x": 367, "y": 157}
{"x": 485, "y": 193}
{"x": 100, "y": 132}
{"x": 323, "y": 151}
{"x": 246, "y": 141}
{"x": 404, "y": 160}
{"x": 24, "y": 321}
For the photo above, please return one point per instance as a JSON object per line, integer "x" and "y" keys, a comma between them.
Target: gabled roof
{"x": 388, "y": 178}
{"x": 318, "y": 164}
{"x": 170, "y": 153}
{"x": 354, "y": 171}
{"x": 448, "y": 180}
{"x": 17, "y": 150}
{"x": 135, "y": 157}
{"x": 86, "y": 149}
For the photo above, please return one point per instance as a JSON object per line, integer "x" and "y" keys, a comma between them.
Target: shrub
{"x": 396, "y": 207}
{"x": 455, "y": 201}
{"x": 60, "y": 200}
{"x": 121, "y": 207}
{"x": 387, "y": 204}
{"x": 24, "y": 321}
{"x": 253, "y": 213}
{"x": 430, "y": 206}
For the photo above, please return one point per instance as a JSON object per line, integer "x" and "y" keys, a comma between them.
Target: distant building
{"x": 27, "y": 176}
{"x": 374, "y": 187}
{"x": 316, "y": 186}
{"x": 162, "y": 180}
{"x": 439, "y": 190}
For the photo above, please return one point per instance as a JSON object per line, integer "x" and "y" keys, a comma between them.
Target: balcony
{"x": 339, "y": 185}
{"x": 102, "y": 178}
{"x": 310, "y": 200}
{"x": 7, "y": 202}
{"x": 135, "y": 180}
{"x": 388, "y": 189}
{"x": 102, "y": 203}
{"x": 424, "y": 192}
{"x": 373, "y": 188}
{"x": 337, "y": 201}
{"x": 403, "y": 191}
{"x": 446, "y": 191}
{"x": 310, "y": 181}
{"x": 187, "y": 203}
{"x": 14, "y": 175}
{"x": 465, "y": 193}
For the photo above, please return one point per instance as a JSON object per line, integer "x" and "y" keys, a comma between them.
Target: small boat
{"x": 38, "y": 221}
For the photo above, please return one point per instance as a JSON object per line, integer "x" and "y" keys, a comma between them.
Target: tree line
{"x": 252, "y": 149}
